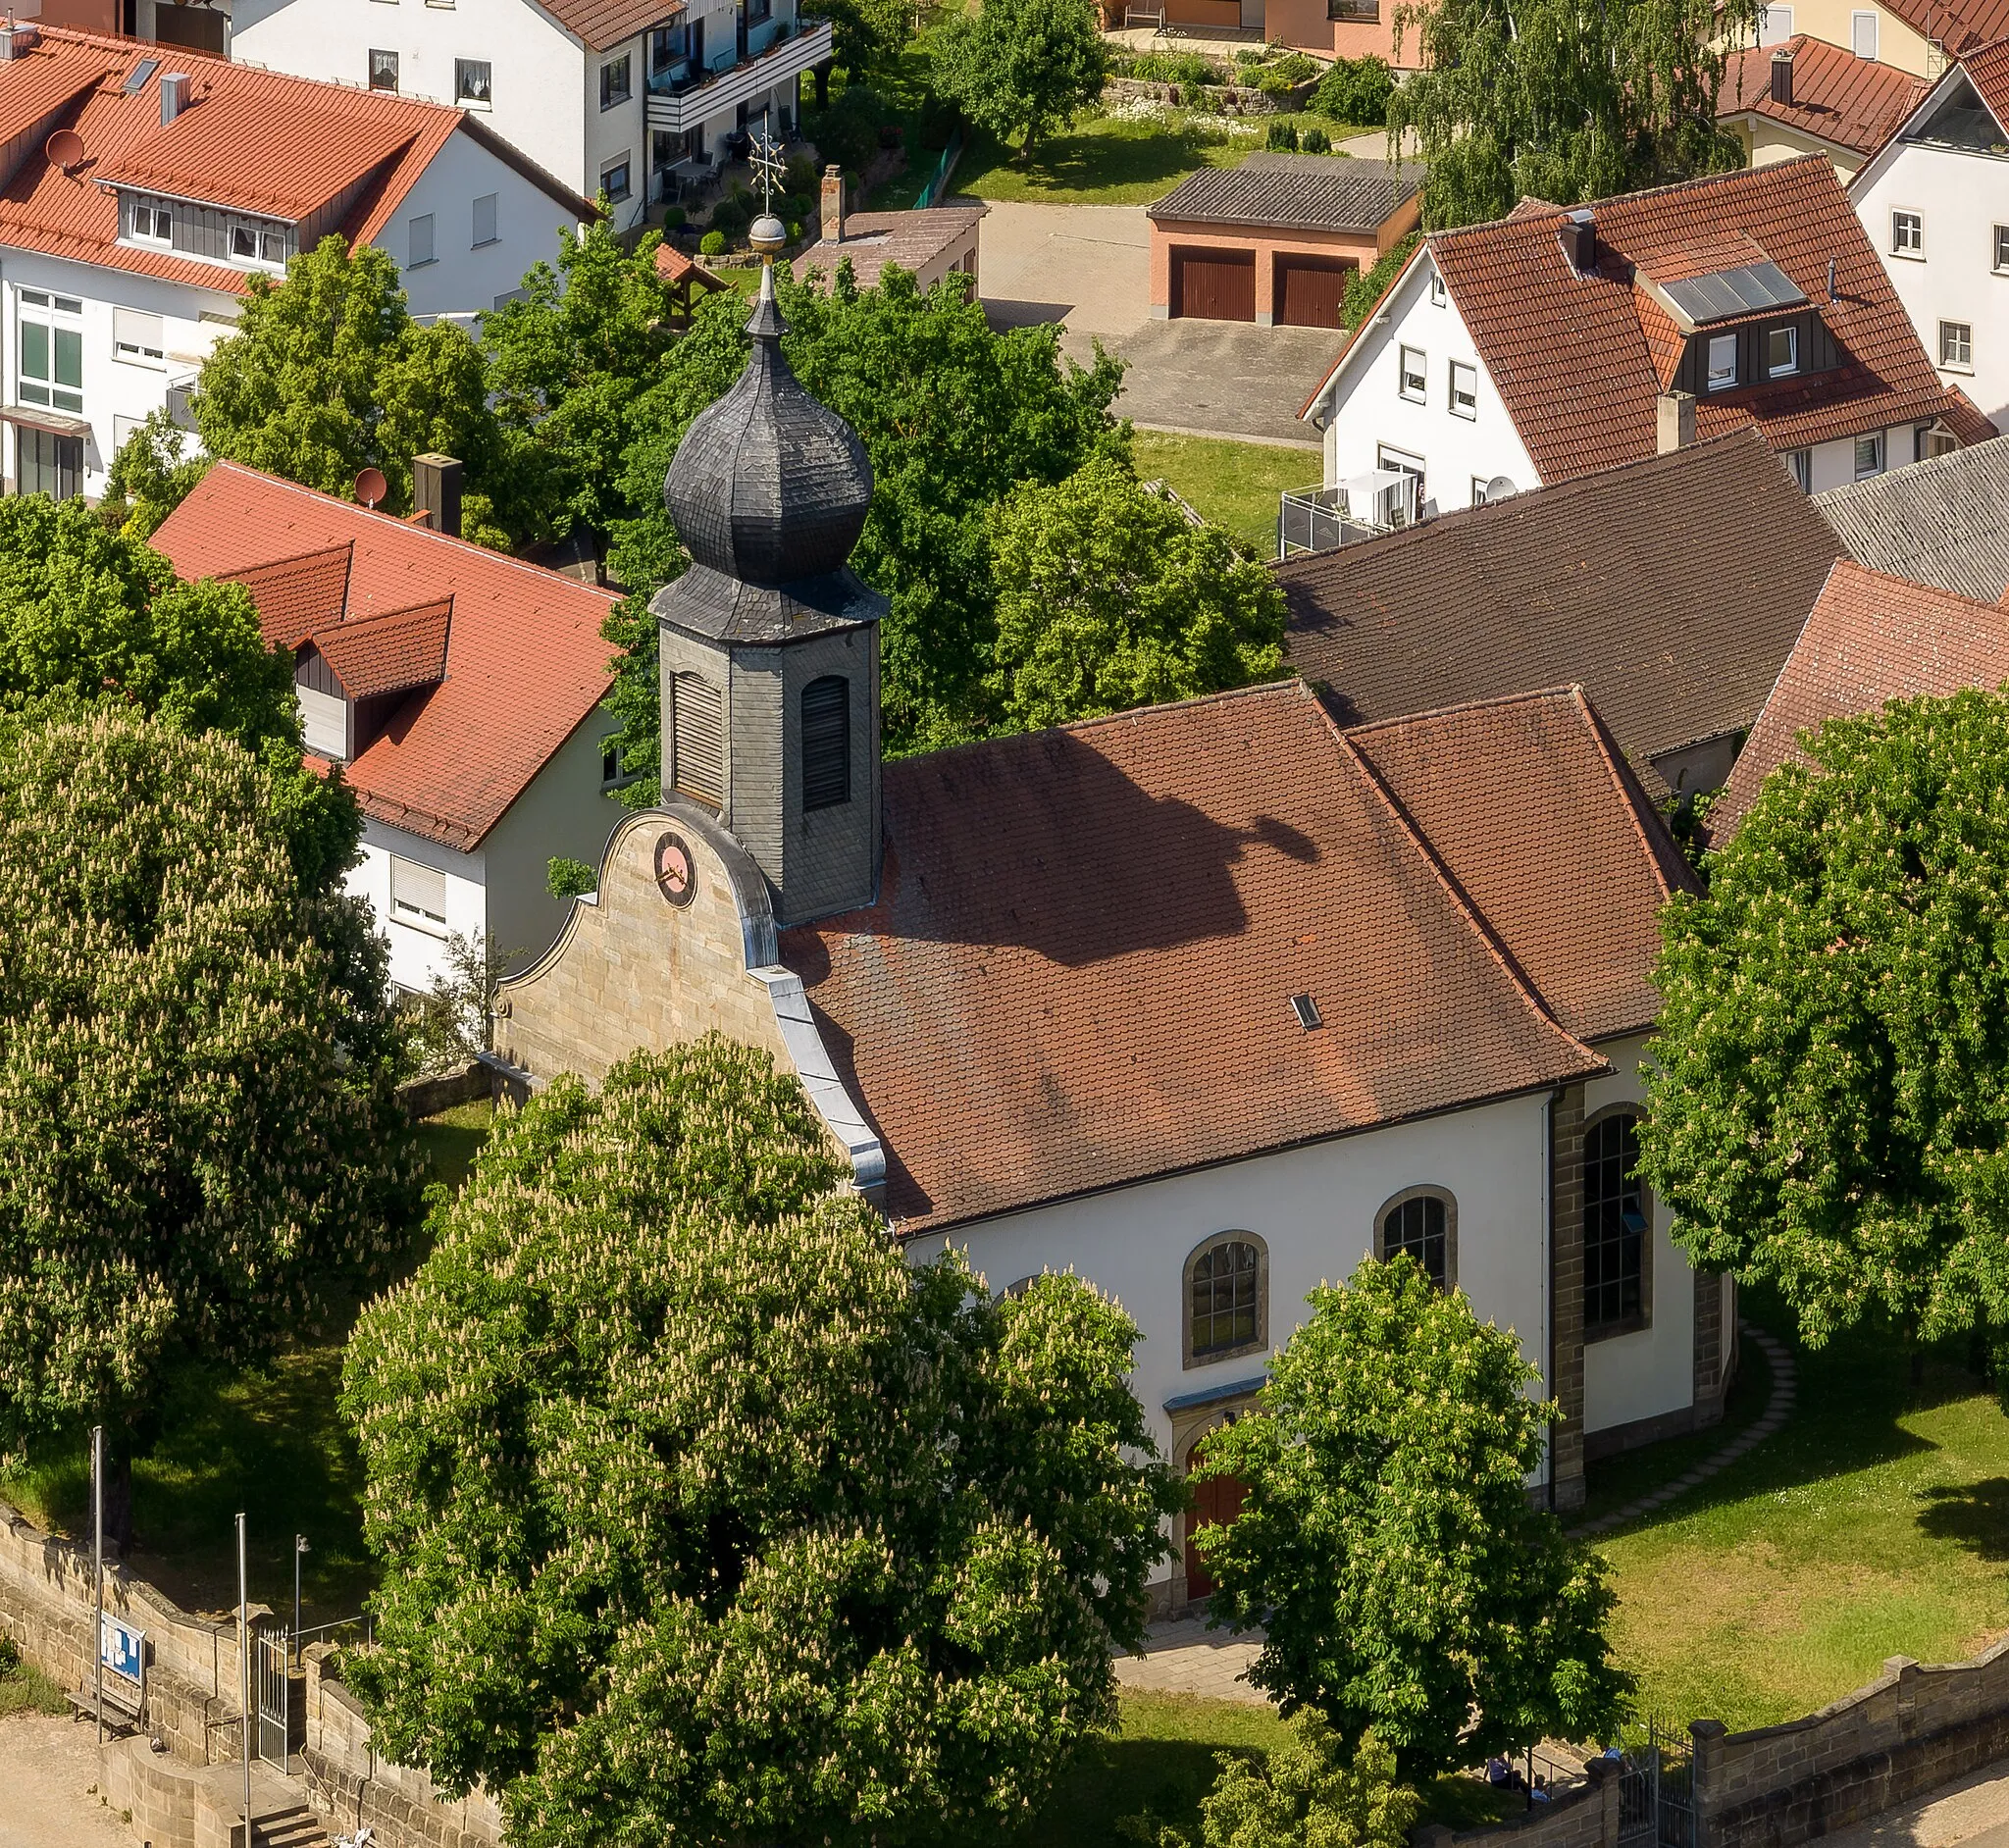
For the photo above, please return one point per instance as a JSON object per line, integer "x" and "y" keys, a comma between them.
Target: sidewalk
{"x": 1973, "y": 1814}
{"x": 1187, "y": 1658}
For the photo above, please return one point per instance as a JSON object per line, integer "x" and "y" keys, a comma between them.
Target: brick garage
{"x": 1273, "y": 241}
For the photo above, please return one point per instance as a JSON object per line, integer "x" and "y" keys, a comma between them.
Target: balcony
{"x": 1315, "y": 519}
{"x": 682, "y": 96}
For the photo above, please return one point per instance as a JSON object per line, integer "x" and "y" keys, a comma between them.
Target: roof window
{"x": 1307, "y": 1012}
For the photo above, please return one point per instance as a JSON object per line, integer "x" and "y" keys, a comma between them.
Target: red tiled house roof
{"x": 1869, "y": 639}
{"x": 1080, "y": 968}
{"x": 294, "y": 596}
{"x": 1576, "y": 900}
{"x": 1958, "y": 25}
{"x": 604, "y": 23}
{"x": 389, "y": 653}
{"x": 323, "y": 155}
{"x": 1580, "y": 360}
{"x": 525, "y": 662}
{"x": 1851, "y": 102}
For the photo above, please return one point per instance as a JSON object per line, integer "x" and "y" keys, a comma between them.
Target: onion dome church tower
{"x": 770, "y": 642}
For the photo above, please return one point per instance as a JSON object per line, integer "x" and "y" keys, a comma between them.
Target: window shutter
{"x": 130, "y": 328}
{"x": 421, "y": 239}
{"x": 484, "y": 218}
{"x": 697, "y": 753}
{"x": 826, "y": 741}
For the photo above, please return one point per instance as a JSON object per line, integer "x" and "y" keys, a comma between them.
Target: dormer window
{"x": 1781, "y": 353}
{"x": 1723, "y": 361}
{"x": 153, "y": 223}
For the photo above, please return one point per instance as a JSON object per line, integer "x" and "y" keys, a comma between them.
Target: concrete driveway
{"x": 1088, "y": 267}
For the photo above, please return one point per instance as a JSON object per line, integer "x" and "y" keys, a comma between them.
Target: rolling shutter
{"x": 1213, "y": 284}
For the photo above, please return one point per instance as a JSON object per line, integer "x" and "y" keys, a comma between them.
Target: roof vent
{"x": 1578, "y": 233}
{"x": 17, "y": 40}
{"x": 1307, "y": 1012}
{"x": 174, "y": 95}
{"x": 1782, "y": 78}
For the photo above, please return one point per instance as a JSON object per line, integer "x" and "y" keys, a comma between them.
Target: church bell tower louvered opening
{"x": 770, "y": 642}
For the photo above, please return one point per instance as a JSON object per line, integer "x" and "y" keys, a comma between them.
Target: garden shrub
{"x": 730, "y": 217}
{"x": 673, "y": 218}
{"x": 847, "y": 134}
{"x": 1355, "y": 90}
{"x": 712, "y": 244}
{"x": 1282, "y": 135}
{"x": 1175, "y": 66}
{"x": 1314, "y": 142}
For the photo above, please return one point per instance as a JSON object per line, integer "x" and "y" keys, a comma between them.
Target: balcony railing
{"x": 1315, "y": 519}
{"x": 777, "y": 50}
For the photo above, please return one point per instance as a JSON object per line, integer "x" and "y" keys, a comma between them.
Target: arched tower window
{"x": 1422, "y": 1223}
{"x": 826, "y": 741}
{"x": 1614, "y": 1226}
{"x": 697, "y": 738}
{"x": 1227, "y": 1286}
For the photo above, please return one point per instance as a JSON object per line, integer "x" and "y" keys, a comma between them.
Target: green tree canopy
{"x": 1550, "y": 100}
{"x": 1387, "y": 1542}
{"x": 153, "y": 471}
{"x": 1022, "y": 66}
{"x": 952, "y": 414}
{"x": 328, "y": 373}
{"x": 198, "y": 1135}
{"x": 706, "y": 1518}
{"x": 1829, "y": 1078}
{"x": 1304, "y": 1795}
{"x": 1109, "y": 598}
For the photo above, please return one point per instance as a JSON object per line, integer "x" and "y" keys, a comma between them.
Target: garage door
{"x": 1213, "y": 284}
{"x": 1310, "y": 290}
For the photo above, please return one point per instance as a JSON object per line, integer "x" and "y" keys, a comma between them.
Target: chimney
{"x": 174, "y": 95}
{"x": 1677, "y": 427}
{"x": 435, "y": 492}
{"x": 833, "y": 205}
{"x": 1782, "y": 76}
{"x": 1579, "y": 240}
{"x": 16, "y": 39}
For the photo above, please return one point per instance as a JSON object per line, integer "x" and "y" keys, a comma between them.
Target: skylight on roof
{"x": 1307, "y": 1012}
{"x": 1725, "y": 293}
{"x": 136, "y": 77}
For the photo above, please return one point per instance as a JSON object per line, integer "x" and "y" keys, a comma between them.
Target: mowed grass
{"x": 1875, "y": 1523}
{"x": 1234, "y": 484}
{"x": 267, "y": 1441}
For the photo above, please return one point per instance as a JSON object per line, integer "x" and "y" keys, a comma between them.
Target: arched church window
{"x": 1617, "y": 1248}
{"x": 697, "y": 738}
{"x": 1227, "y": 1282}
{"x": 826, "y": 741}
{"x": 1420, "y": 1223}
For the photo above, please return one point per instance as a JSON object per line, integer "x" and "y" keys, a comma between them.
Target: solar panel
{"x": 136, "y": 80}
{"x": 1729, "y": 292}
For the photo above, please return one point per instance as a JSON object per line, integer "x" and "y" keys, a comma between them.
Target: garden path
{"x": 49, "y": 1771}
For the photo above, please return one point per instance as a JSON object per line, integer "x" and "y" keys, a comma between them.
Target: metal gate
{"x": 275, "y": 1693}
{"x": 1656, "y": 1789}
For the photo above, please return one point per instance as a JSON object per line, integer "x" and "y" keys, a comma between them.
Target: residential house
{"x": 1204, "y": 1002}
{"x": 1870, "y": 638}
{"x": 929, "y": 242}
{"x": 630, "y": 98}
{"x": 1642, "y": 584}
{"x": 1935, "y": 200}
{"x": 458, "y": 689}
{"x": 1326, "y": 29}
{"x": 139, "y": 201}
{"x": 1274, "y": 240}
{"x": 1552, "y": 344}
{"x": 1942, "y": 522}
{"x": 1916, "y": 37}
{"x": 1806, "y": 96}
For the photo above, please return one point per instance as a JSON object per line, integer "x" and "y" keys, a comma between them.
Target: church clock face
{"x": 676, "y": 872}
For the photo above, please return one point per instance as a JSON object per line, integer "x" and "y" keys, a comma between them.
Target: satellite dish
{"x": 65, "y": 150}
{"x": 1500, "y": 488}
{"x": 371, "y": 487}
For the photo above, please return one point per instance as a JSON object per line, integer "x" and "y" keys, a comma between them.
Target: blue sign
{"x": 123, "y": 1649}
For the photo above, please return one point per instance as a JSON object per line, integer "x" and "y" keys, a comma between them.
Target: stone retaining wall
{"x": 1586, "y": 1817}
{"x": 1230, "y": 99}
{"x": 428, "y": 1096}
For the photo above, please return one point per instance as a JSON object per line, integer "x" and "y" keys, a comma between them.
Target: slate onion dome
{"x": 769, "y": 485}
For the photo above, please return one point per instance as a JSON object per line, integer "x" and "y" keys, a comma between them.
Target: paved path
{"x": 1970, "y": 1814}
{"x": 1187, "y": 1658}
{"x": 1777, "y": 1412}
{"x": 1088, "y": 267}
{"x": 48, "y": 1784}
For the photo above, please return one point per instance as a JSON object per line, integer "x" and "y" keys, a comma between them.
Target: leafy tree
{"x": 1549, "y": 99}
{"x": 952, "y": 414}
{"x": 1829, "y": 1082}
{"x": 1022, "y": 66}
{"x": 1387, "y": 1542}
{"x": 1304, "y": 1796}
{"x": 198, "y": 1135}
{"x": 453, "y": 1021}
{"x": 1108, "y": 598}
{"x": 1355, "y": 90}
{"x": 151, "y": 474}
{"x": 328, "y": 373}
{"x": 706, "y": 1518}
{"x": 864, "y": 34}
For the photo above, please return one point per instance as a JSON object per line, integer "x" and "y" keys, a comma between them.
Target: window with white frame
{"x": 1465, "y": 390}
{"x": 419, "y": 229}
{"x": 474, "y": 83}
{"x": 1439, "y": 295}
{"x": 485, "y": 220}
{"x": 1401, "y": 510}
{"x": 615, "y": 181}
{"x": 1413, "y": 377}
{"x": 257, "y": 243}
{"x": 383, "y": 69}
{"x": 1801, "y": 462}
{"x": 152, "y": 221}
{"x": 2002, "y": 248}
{"x": 49, "y": 350}
{"x": 1781, "y": 353}
{"x": 1907, "y": 234}
{"x": 418, "y": 895}
{"x": 1862, "y": 34}
{"x": 1870, "y": 455}
{"x": 139, "y": 340}
{"x": 1956, "y": 346}
{"x": 615, "y": 83}
{"x": 1723, "y": 361}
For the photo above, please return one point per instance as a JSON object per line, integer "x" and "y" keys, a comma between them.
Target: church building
{"x": 1204, "y": 1001}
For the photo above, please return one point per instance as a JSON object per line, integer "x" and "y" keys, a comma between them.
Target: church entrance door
{"x": 1217, "y": 1500}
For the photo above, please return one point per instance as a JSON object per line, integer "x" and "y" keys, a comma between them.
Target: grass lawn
{"x": 26, "y": 1689}
{"x": 267, "y": 1441}
{"x": 1234, "y": 484}
{"x": 1876, "y": 1524}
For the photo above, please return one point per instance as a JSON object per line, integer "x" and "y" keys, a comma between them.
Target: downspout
{"x": 1547, "y": 1335}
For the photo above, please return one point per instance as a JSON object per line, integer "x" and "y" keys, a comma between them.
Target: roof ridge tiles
{"x": 1482, "y": 702}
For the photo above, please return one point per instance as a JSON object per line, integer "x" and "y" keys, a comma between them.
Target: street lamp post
{"x": 97, "y": 1567}
{"x": 300, "y": 1548}
{"x": 245, "y": 1672}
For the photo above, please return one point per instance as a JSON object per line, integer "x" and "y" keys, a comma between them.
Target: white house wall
{"x": 417, "y": 952}
{"x": 609, "y": 134}
{"x": 465, "y": 276}
{"x": 534, "y": 61}
{"x": 1962, "y": 196}
{"x": 1368, "y": 408}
